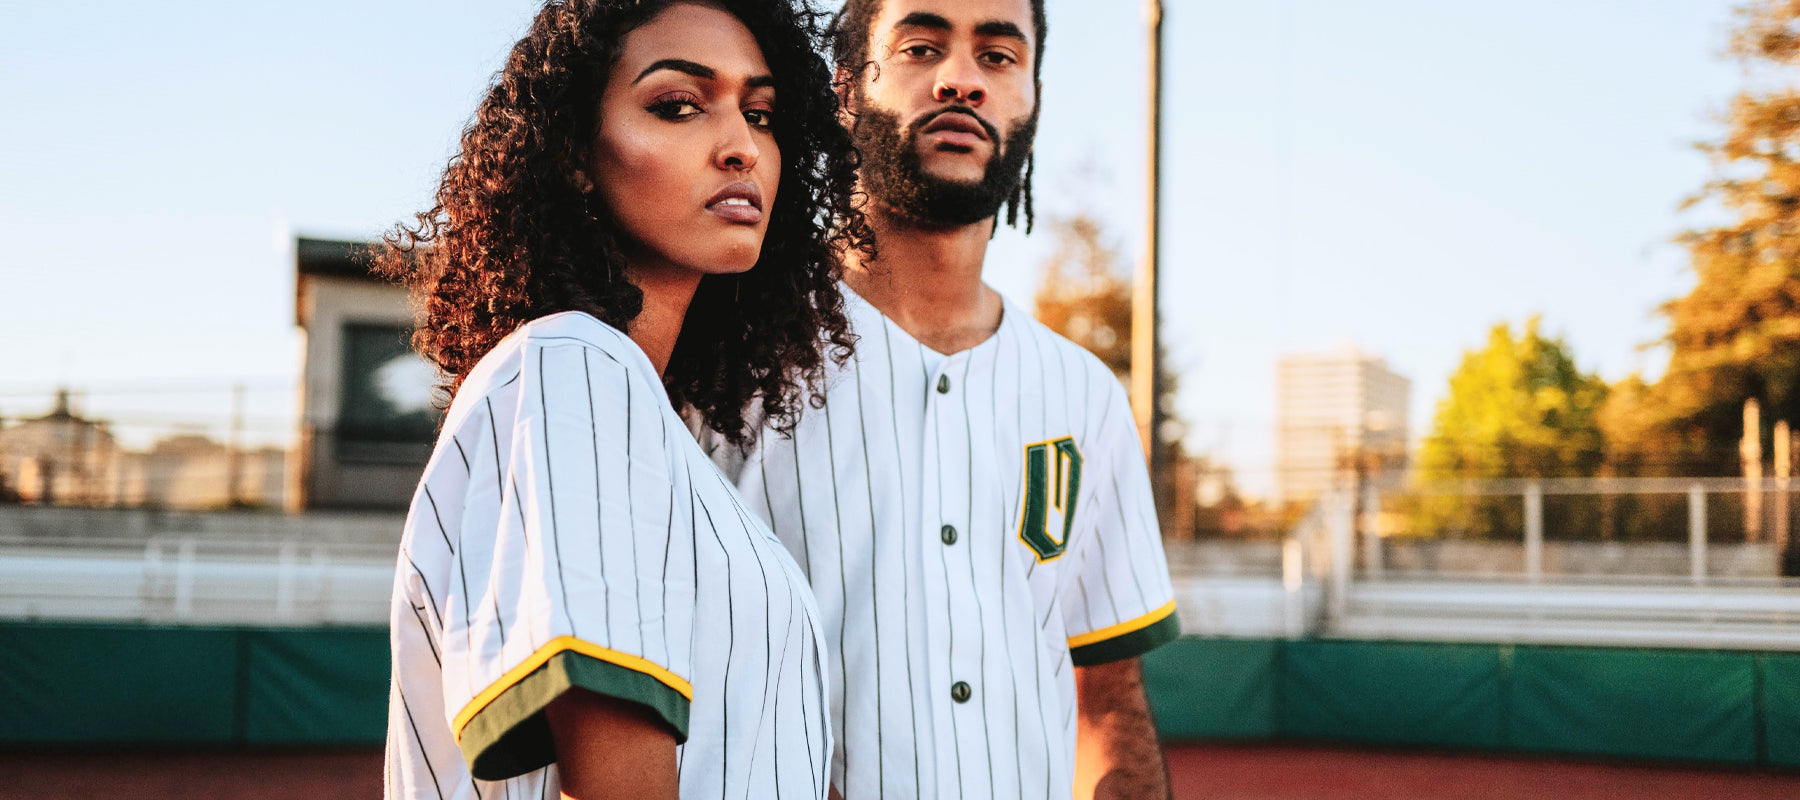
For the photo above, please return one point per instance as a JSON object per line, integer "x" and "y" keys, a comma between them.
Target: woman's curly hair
{"x": 511, "y": 238}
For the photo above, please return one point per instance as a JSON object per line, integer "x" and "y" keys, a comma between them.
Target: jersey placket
{"x": 956, "y": 680}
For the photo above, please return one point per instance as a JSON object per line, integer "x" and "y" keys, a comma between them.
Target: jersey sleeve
{"x": 587, "y": 582}
{"x": 1119, "y": 603}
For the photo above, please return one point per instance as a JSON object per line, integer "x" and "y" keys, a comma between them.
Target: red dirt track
{"x": 1199, "y": 772}
{"x": 1320, "y": 772}
{"x": 156, "y": 775}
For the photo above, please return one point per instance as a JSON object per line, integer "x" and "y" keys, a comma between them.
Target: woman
{"x": 633, "y": 226}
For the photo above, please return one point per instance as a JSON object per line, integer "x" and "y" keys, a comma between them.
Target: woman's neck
{"x": 667, "y": 293}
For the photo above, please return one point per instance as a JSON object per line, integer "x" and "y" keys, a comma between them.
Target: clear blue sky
{"x": 1398, "y": 174}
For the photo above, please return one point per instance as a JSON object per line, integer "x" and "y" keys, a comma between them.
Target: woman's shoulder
{"x": 607, "y": 355}
{"x": 577, "y": 328}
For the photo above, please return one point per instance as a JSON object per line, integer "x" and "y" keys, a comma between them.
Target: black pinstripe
{"x": 987, "y": 737}
{"x": 1003, "y": 540}
{"x": 418, "y": 740}
{"x": 426, "y": 629}
{"x": 862, "y": 426}
{"x": 843, "y": 586}
{"x": 730, "y": 638}
{"x": 426, "y": 488}
{"x": 905, "y": 558}
{"x": 562, "y": 584}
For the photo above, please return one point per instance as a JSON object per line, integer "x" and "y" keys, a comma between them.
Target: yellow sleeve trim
{"x": 1113, "y": 631}
{"x": 548, "y": 651}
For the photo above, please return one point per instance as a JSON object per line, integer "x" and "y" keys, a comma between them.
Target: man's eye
{"x": 761, "y": 118}
{"x": 920, "y": 51}
{"x": 995, "y": 57}
{"x": 674, "y": 109}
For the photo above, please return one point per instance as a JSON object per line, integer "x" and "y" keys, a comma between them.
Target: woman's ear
{"x": 578, "y": 178}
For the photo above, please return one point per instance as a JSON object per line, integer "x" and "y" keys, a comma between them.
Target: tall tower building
{"x": 1338, "y": 415}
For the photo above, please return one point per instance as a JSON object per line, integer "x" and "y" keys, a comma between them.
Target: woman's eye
{"x": 761, "y": 118}
{"x": 674, "y": 109}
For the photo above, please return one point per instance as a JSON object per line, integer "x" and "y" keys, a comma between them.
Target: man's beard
{"x": 892, "y": 172}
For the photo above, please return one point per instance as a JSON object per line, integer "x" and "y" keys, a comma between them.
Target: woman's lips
{"x": 739, "y": 203}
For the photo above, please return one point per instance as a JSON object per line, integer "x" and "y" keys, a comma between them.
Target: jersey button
{"x": 948, "y": 534}
{"x": 943, "y": 384}
{"x": 960, "y": 692}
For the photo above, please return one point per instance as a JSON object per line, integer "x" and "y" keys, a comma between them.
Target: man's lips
{"x": 739, "y": 202}
{"x": 957, "y": 129}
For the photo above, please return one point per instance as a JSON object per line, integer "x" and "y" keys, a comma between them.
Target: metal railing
{"x": 199, "y": 580}
{"x": 1323, "y": 591}
{"x": 1766, "y": 507}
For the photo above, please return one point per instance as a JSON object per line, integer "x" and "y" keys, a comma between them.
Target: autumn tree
{"x": 1736, "y": 335}
{"x": 1084, "y": 295}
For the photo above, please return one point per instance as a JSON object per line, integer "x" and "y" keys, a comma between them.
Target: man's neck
{"x": 928, "y": 281}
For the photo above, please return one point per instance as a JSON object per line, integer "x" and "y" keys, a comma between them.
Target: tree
{"x": 1517, "y": 408}
{"x": 1736, "y": 335}
{"x": 1085, "y": 296}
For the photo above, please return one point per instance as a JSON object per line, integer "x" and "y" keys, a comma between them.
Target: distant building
{"x": 193, "y": 471}
{"x": 1337, "y": 414}
{"x": 366, "y": 415}
{"x": 66, "y": 459}
{"x": 61, "y": 457}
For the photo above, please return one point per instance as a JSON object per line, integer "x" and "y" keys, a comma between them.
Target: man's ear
{"x": 843, "y": 84}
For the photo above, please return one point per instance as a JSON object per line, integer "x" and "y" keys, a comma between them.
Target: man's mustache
{"x": 919, "y": 124}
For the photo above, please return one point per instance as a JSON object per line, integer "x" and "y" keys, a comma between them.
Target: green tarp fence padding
{"x": 1700, "y": 705}
{"x": 67, "y": 684}
{"x": 127, "y": 684}
{"x": 1401, "y": 693}
{"x": 1215, "y": 688}
{"x": 1780, "y": 689}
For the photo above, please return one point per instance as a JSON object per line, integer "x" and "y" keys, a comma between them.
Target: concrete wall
{"x": 1560, "y": 558}
{"x": 1580, "y": 558}
{"x": 47, "y": 525}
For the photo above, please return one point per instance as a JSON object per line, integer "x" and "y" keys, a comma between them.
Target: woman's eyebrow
{"x": 697, "y": 70}
{"x": 678, "y": 65}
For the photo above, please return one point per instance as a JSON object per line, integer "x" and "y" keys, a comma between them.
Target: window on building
{"x": 385, "y": 412}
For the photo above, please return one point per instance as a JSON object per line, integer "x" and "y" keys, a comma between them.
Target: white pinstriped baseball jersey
{"x": 568, "y": 532}
{"x": 972, "y": 525}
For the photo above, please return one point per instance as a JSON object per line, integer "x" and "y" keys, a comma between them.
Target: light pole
{"x": 1146, "y": 388}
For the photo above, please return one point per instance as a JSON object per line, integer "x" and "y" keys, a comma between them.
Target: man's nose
{"x": 960, "y": 81}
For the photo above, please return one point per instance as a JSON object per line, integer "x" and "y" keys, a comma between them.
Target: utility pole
{"x": 1146, "y": 390}
{"x": 234, "y": 462}
{"x": 1750, "y": 451}
{"x": 1784, "y": 471}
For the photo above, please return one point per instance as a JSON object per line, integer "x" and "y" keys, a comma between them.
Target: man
{"x": 971, "y": 503}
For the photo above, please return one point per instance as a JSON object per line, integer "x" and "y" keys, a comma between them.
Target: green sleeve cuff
{"x": 510, "y": 735}
{"x": 1128, "y": 645}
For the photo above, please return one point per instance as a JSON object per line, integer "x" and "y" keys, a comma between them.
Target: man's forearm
{"x": 1117, "y": 755}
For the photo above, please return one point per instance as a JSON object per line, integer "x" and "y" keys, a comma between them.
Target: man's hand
{"x": 1116, "y": 753}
